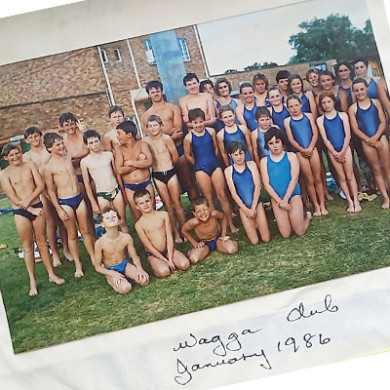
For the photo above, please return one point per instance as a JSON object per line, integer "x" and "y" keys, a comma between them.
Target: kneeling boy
{"x": 110, "y": 255}
{"x": 155, "y": 231}
{"x": 208, "y": 230}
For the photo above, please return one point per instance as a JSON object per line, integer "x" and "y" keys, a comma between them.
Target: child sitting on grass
{"x": 211, "y": 234}
{"x": 110, "y": 255}
{"x": 100, "y": 165}
{"x": 155, "y": 231}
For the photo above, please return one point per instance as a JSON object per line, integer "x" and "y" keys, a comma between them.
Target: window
{"x": 117, "y": 55}
{"x": 185, "y": 55}
{"x": 103, "y": 55}
{"x": 184, "y": 49}
{"x": 149, "y": 52}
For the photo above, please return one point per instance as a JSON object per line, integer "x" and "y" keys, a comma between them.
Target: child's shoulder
{"x": 166, "y": 137}
{"x": 210, "y": 130}
{"x": 216, "y": 214}
{"x": 105, "y": 153}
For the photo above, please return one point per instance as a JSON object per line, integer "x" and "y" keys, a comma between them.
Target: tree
{"x": 257, "y": 65}
{"x": 267, "y": 65}
{"x": 229, "y": 71}
{"x": 254, "y": 66}
{"x": 333, "y": 37}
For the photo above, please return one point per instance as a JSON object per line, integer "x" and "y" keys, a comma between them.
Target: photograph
{"x": 165, "y": 174}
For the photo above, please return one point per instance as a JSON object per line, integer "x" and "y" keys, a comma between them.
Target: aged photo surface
{"x": 88, "y": 81}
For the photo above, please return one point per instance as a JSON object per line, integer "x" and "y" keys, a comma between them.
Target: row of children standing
{"x": 237, "y": 137}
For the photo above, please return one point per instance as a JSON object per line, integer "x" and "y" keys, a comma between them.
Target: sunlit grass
{"x": 338, "y": 245}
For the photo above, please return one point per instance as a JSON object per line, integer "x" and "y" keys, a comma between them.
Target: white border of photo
{"x": 341, "y": 319}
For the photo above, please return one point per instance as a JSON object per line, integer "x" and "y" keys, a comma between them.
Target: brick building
{"x": 88, "y": 81}
{"x": 85, "y": 82}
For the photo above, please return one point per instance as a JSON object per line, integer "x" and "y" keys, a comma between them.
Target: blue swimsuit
{"x": 204, "y": 153}
{"x": 279, "y": 117}
{"x": 73, "y": 202}
{"x": 138, "y": 186}
{"x": 219, "y": 125}
{"x": 250, "y": 117}
{"x": 334, "y": 129}
{"x": 348, "y": 92}
{"x": 279, "y": 173}
{"x": 302, "y": 131}
{"x": 305, "y": 103}
{"x": 245, "y": 187}
{"x": 262, "y": 151}
{"x": 238, "y": 135}
{"x": 119, "y": 267}
{"x": 373, "y": 89}
{"x": 368, "y": 119}
{"x": 26, "y": 214}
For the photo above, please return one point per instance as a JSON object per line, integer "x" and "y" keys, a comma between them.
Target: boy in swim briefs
{"x": 196, "y": 99}
{"x": 100, "y": 165}
{"x": 116, "y": 116}
{"x": 76, "y": 148}
{"x": 23, "y": 184}
{"x": 132, "y": 162}
{"x": 40, "y": 156}
{"x": 66, "y": 197}
{"x": 201, "y": 150}
{"x": 210, "y": 228}
{"x": 155, "y": 232}
{"x": 165, "y": 156}
{"x": 170, "y": 115}
{"x": 110, "y": 255}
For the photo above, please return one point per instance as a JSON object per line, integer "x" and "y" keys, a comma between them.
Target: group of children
{"x": 210, "y": 143}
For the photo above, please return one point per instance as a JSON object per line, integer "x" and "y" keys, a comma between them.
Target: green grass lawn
{"x": 337, "y": 245}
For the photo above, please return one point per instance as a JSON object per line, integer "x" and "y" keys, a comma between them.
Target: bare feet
{"x": 328, "y": 196}
{"x": 56, "y": 279}
{"x": 234, "y": 229}
{"x": 385, "y": 204}
{"x": 56, "y": 261}
{"x": 178, "y": 239}
{"x": 351, "y": 208}
{"x": 324, "y": 211}
{"x": 79, "y": 273}
{"x": 317, "y": 212}
{"x": 68, "y": 255}
{"x": 33, "y": 289}
{"x": 358, "y": 208}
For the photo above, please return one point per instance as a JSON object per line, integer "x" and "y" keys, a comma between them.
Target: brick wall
{"x": 92, "y": 109}
{"x": 195, "y": 65}
{"x": 63, "y": 75}
{"x": 37, "y": 91}
{"x": 120, "y": 73}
